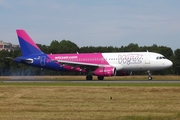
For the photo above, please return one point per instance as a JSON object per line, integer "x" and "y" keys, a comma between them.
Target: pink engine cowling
{"x": 105, "y": 71}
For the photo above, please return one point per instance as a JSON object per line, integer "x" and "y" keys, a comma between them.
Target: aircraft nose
{"x": 169, "y": 63}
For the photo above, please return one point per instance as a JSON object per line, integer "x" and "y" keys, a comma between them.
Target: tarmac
{"x": 88, "y": 81}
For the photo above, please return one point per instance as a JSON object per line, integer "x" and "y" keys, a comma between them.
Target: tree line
{"x": 10, "y": 68}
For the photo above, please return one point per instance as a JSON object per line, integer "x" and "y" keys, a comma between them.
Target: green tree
{"x": 166, "y": 51}
{"x": 66, "y": 46}
{"x": 132, "y": 47}
{"x": 54, "y": 47}
{"x": 44, "y": 48}
{"x": 176, "y": 61}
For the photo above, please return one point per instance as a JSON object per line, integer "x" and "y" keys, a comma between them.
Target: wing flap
{"x": 79, "y": 63}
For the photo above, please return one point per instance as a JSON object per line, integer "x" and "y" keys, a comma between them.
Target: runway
{"x": 87, "y": 81}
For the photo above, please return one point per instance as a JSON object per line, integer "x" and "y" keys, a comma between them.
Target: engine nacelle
{"x": 105, "y": 71}
{"x": 123, "y": 73}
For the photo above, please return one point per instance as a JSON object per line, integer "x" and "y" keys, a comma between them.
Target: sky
{"x": 93, "y": 22}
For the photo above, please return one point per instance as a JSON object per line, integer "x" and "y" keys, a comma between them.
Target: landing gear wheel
{"x": 149, "y": 75}
{"x": 149, "y": 78}
{"x": 100, "y": 77}
{"x": 89, "y": 77}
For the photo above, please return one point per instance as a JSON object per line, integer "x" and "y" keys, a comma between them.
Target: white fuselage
{"x": 136, "y": 61}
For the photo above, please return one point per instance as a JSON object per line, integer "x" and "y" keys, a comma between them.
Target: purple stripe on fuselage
{"x": 24, "y": 36}
{"x": 94, "y": 58}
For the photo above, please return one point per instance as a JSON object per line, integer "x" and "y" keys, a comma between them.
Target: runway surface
{"x": 87, "y": 81}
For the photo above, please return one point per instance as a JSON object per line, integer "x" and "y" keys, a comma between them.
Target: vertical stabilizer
{"x": 27, "y": 45}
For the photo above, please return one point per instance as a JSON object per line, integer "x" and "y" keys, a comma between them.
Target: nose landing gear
{"x": 149, "y": 75}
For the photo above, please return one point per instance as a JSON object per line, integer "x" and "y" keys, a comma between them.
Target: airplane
{"x": 98, "y": 64}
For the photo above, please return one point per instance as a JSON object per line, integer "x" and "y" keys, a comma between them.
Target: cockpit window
{"x": 160, "y": 57}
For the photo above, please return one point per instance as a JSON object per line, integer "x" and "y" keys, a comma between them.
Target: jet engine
{"x": 105, "y": 71}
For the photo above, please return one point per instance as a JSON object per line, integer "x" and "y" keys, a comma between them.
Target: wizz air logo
{"x": 65, "y": 57}
{"x": 130, "y": 59}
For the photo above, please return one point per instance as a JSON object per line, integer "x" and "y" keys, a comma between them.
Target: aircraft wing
{"x": 79, "y": 64}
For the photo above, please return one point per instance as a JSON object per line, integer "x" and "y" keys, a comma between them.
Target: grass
{"x": 84, "y": 101}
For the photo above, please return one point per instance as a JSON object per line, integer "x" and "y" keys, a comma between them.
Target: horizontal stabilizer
{"x": 24, "y": 59}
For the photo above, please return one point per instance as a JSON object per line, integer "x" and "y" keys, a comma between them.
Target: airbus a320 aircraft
{"x": 98, "y": 64}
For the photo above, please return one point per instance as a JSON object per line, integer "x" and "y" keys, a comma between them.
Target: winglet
{"x": 27, "y": 45}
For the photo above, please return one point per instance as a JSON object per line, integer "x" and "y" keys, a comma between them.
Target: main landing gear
{"x": 100, "y": 77}
{"x": 90, "y": 77}
{"x": 149, "y": 75}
